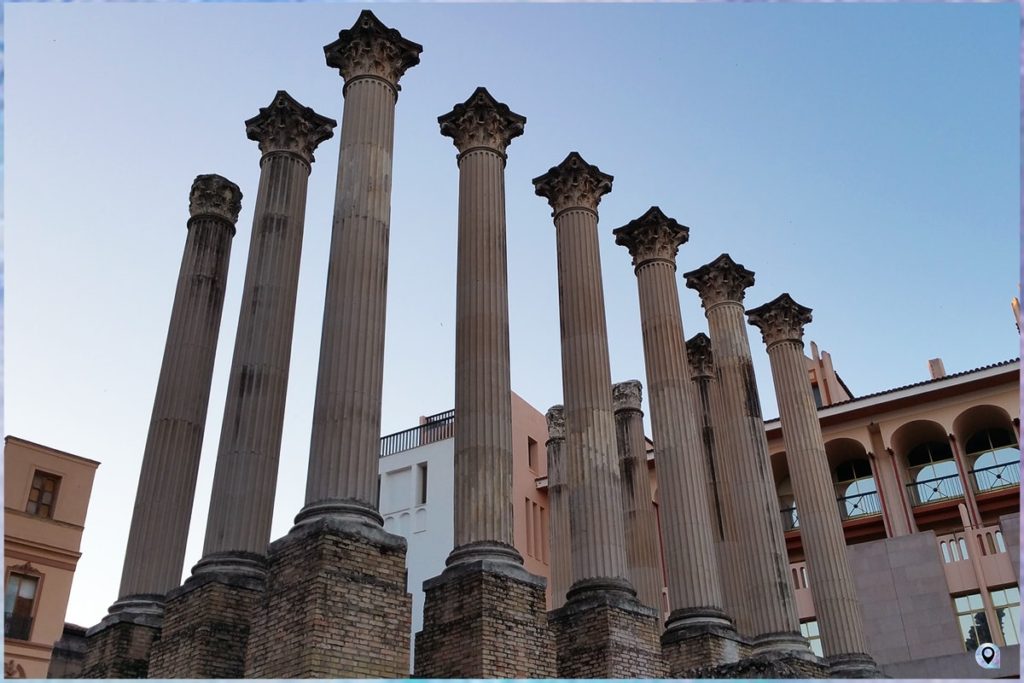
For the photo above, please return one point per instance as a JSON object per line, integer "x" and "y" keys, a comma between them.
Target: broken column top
{"x": 371, "y": 49}
{"x": 287, "y": 126}
{"x": 481, "y": 121}
{"x": 627, "y": 395}
{"x": 698, "y": 353}
{"x": 216, "y": 196}
{"x": 720, "y": 281}
{"x": 573, "y": 184}
{"x": 781, "y": 319}
{"x": 652, "y": 237}
{"x": 556, "y": 422}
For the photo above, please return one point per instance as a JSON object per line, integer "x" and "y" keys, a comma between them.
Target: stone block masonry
{"x": 685, "y": 651}
{"x": 484, "y": 623}
{"x": 206, "y": 628}
{"x": 120, "y": 650}
{"x": 606, "y": 634}
{"x": 336, "y": 605}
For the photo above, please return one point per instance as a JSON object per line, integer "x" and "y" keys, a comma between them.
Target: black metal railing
{"x": 17, "y": 627}
{"x": 790, "y": 519}
{"x": 859, "y": 505}
{"x": 996, "y": 476}
{"x": 435, "y": 428}
{"x": 933, "y": 490}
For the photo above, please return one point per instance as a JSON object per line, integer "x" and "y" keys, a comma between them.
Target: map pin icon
{"x": 988, "y": 654}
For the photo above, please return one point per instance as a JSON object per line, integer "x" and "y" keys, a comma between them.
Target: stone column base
{"x": 119, "y": 647}
{"x": 335, "y": 605}
{"x": 485, "y": 619}
{"x": 853, "y": 666}
{"x": 206, "y": 627}
{"x": 606, "y": 634}
{"x": 685, "y": 650}
{"x": 769, "y": 665}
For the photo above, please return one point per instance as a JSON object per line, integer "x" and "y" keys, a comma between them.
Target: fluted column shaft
{"x": 344, "y": 446}
{"x": 821, "y": 531}
{"x": 755, "y": 547}
{"x": 702, "y": 401}
{"x": 170, "y": 463}
{"x": 682, "y": 475}
{"x": 598, "y": 549}
{"x": 245, "y": 479}
{"x": 640, "y": 523}
{"x": 558, "y": 509}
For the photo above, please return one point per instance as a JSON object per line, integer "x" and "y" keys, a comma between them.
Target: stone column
{"x": 484, "y": 589}
{"x": 754, "y": 546}
{"x": 695, "y": 592}
{"x": 643, "y": 556}
{"x": 558, "y": 508}
{"x": 843, "y": 640}
{"x": 345, "y": 443}
{"x": 603, "y": 631}
{"x": 338, "y": 562}
{"x": 701, "y": 360}
{"x": 227, "y": 581}
{"x": 170, "y": 462}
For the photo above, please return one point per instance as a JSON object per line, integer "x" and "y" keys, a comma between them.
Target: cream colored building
{"x": 46, "y": 497}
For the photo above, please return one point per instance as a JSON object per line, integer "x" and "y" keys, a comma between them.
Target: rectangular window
{"x": 421, "y": 484}
{"x": 531, "y": 453}
{"x": 970, "y": 614}
{"x": 19, "y": 600}
{"x": 809, "y": 630}
{"x": 43, "y": 495}
{"x": 816, "y": 390}
{"x": 528, "y": 520}
{"x": 1007, "y": 604}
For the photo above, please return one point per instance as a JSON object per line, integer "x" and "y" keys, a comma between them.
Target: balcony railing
{"x": 17, "y": 627}
{"x": 790, "y": 520}
{"x": 435, "y": 428}
{"x": 933, "y": 490}
{"x": 996, "y": 476}
{"x": 859, "y": 505}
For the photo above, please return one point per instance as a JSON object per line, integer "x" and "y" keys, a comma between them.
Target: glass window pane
{"x": 27, "y": 587}
{"x": 10, "y": 593}
{"x": 974, "y": 600}
{"x": 961, "y": 604}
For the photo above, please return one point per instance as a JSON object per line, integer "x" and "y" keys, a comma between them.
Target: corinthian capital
{"x": 556, "y": 422}
{"x": 214, "y": 195}
{"x": 481, "y": 121}
{"x": 370, "y": 48}
{"x": 698, "y": 353}
{"x": 719, "y": 281}
{"x": 652, "y": 237}
{"x": 627, "y": 395}
{"x": 780, "y": 319}
{"x": 573, "y": 184}
{"x": 287, "y": 126}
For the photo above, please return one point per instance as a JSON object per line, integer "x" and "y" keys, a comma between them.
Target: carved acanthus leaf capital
{"x": 781, "y": 319}
{"x": 214, "y": 195}
{"x": 573, "y": 184}
{"x": 719, "y": 281}
{"x": 698, "y": 353}
{"x": 370, "y": 48}
{"x": 287, "y": 126}
{"x": 653, "y": 236}
{"x": 627, "y": 395}
{"x": 481, "y": 121}
{"x": 556, "y": 422}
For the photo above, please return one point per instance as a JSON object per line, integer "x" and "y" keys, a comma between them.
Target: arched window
{"x": 994, "y": 458}
{"x": 933, "y": 472}
{"x": 856, "y": 490}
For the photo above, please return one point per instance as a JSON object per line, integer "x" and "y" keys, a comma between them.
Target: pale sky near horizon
{"x": 863, "y": 158}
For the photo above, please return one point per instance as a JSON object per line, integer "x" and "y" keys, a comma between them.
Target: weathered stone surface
{"x": 206, "y": 628}
{"x": 481, "y": 623}
{"x": 765, "y": 666}
{"x": 687, "y": 649}
{"x": 558, "y": 504}
{"x": 335, "y": 606}
{"x": 606, "y": 635}
{"x": 119, "y": 650}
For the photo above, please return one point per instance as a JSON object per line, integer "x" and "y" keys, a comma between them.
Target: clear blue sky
{"x": 863, "y": 158}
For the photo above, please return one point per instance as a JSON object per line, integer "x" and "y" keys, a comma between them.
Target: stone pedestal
{"x": 765, "y": 666}
{"x": 119, "y": 646}
{"x": 206, "y": 627}
{"x": 485, "y": 620}
{"x": 606, "y": 634}
{"x": 688, "y": 650}
{"x": 335, "y": 605}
